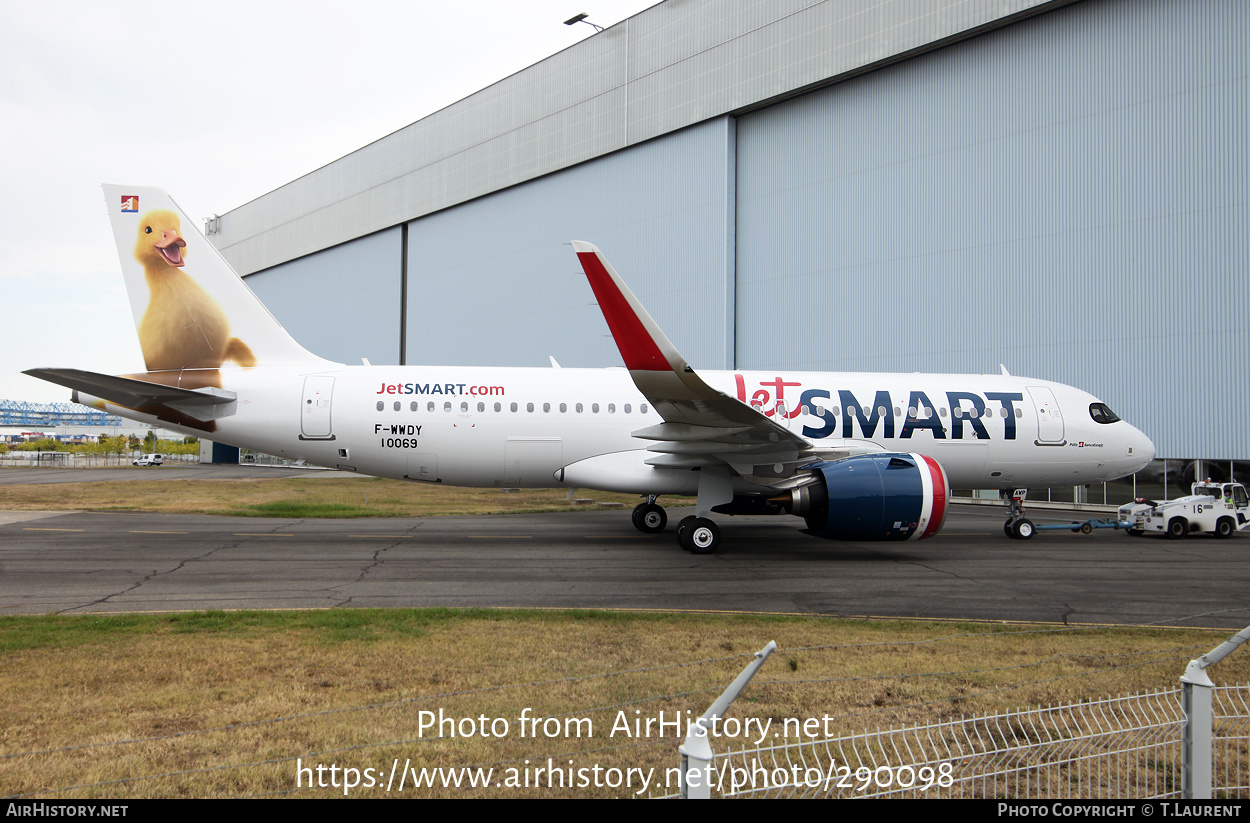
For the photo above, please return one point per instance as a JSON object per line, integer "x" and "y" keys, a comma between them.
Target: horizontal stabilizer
{"x": 202, "y": 404}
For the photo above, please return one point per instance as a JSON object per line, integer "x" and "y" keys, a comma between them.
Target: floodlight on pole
{"x": 581, "y": 18}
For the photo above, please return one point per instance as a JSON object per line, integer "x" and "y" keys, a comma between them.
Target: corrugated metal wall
{"x": 342, "y": 303}
{"x": 494, "y": 281}
{"x": 1067, "y": 196}
{"x": 671, "y": 66}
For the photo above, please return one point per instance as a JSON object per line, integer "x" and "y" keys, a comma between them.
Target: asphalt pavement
{"x": 114, "y": 562}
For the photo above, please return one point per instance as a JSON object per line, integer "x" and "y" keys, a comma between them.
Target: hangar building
{"x": 846, "y": 185}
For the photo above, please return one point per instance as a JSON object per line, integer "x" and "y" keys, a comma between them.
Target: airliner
{"x": 858, "y": 456}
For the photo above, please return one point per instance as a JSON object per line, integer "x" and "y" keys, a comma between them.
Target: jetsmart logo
{"x": 442, "y": 388}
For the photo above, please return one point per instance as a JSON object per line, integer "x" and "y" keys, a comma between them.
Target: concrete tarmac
{"x": 118, "y": 562}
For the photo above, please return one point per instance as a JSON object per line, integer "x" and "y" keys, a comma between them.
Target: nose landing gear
{"x": 1018, "y": 526}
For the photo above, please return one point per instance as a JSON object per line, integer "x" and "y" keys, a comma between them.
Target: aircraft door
{"x": 315, "y": 408}
{"x": 1049, "y": 418}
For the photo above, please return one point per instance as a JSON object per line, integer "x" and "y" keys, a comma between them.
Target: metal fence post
{"x": 1196, "y": 751}
{"x": 1196, "y": 754}
{"x": 696, "y": 752}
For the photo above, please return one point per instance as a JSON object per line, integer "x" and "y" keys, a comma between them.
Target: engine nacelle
{"x": 874, "y": 497}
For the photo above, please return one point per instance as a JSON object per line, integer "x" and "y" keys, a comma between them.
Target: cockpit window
{"x": 1102, "y": 414}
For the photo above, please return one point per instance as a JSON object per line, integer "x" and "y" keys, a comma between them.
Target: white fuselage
{"x": 468, "y": 426}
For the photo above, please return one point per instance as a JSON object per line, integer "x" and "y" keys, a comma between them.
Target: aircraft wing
{"x": 140, "y": 395}
{"x": 702, "y": 426}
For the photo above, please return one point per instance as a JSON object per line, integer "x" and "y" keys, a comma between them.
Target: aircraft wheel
{"x": 681, "y": 530}
{"x": 1007, "y": 528}
{"x": 702, "y": 536}
{"x": 1225, "y": 527}
{"x": 1178, "y": 527}
{"x": 1023, "y": 529}
{"x": 649, "y": 518}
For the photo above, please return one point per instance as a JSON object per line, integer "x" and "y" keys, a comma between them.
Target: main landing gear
{"x": 650, "y": 518}
{"x": 697, "y": 535}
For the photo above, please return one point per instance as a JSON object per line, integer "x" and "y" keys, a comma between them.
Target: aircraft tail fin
{"x": 192, "y": 309}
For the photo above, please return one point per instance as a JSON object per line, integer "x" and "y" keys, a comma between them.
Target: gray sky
{"x": 217, "y": 104}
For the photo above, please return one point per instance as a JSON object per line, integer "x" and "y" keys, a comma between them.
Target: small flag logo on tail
{"x": 130, "y": 203}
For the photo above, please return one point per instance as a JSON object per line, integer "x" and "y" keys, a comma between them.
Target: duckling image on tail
{"x": 183, "y": 327}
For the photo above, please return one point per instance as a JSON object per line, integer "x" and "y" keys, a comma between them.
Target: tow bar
{"x": 1020, "y": 527}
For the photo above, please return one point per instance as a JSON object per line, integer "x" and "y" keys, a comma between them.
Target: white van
{"x": 149, "y": 460}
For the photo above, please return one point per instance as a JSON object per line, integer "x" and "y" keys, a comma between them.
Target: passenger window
{"x": 481, "y": 407}
{"x": 578, "y": 407}
{"x": 447, "y": 406}
{"x": 594, "y": 407}
{"x": 563, "y": 408}
{"x": 430, "y": 407}
{"x": 514, "y": 407}
{"x": 611, "y": 408}
{"x": 498, "y": 407}
{"x": 381, "y": 405}
{"x": 412, "y": 406}
{"x": 529, "y": 407}
{"x": 464, "y": 407}
{"x": 546, "y": 407}
{"x": 397, "y": 405}
{"x": 643, "y": 408}
{"x": 627, "y": 408}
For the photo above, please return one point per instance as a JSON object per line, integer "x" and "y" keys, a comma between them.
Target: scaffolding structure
{"x": 45, "y": 415}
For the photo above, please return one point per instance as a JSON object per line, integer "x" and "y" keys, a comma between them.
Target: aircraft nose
{"x": 1143, "y": 449}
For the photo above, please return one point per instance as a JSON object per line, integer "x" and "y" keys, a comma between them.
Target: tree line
{"x": 110, "y": 444}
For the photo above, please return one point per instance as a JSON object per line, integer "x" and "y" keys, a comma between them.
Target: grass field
{"x": 226, "y": 704}
{"x": 307, "y": 495}
{"x": 229, "y": 704}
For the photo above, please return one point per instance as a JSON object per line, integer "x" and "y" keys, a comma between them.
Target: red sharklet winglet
{"x": 643, "y": 346}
